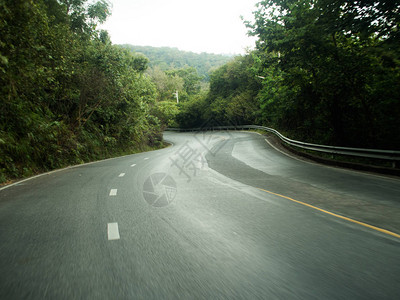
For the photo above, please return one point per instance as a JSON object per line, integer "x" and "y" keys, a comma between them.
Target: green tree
{"x": 167, "y": 84}
{"x": 191, "y": 79}
{"x": 67, "y": 94}
{"x": 191, "y": 113}
{"x": 171, "y": 58}
{"x": 326, "y": 63}
{"x": 233, "y": 92}
{"x": 166, "y": 112}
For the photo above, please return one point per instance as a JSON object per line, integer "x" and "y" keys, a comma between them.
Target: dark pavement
{"x": 190, "y": 222}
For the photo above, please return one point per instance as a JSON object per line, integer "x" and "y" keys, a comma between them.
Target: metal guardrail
{"x": 390, "y": 155}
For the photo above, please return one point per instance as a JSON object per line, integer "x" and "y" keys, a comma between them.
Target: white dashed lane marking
{"x": 121, "y": 175}
{"x": 113, "y": 192}
{"x": 146, "y": 158}
{"x": 133, "y": 165}
{"x": 112, "y": 231}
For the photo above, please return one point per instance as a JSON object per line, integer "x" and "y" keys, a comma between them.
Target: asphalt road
{"x": 219, "y": 215}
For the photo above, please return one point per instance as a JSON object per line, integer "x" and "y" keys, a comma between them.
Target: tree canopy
{"x": 67, "y": 94}
{"x": 325, "y": 71}
{"x": 329, "y": 64}
{"x": 167, "y": 58}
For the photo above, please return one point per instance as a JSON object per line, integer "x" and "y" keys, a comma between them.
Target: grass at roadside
{"x": 5, "y": 180}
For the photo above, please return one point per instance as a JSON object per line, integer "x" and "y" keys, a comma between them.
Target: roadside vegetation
{"x": 322, "y": 71}
{"x": 67, "y": 94}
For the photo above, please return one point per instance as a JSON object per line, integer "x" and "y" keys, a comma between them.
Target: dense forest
{"x": 167, "y": 58}
{"x": 67, "y": 94}
{"x": 323, "y": 71}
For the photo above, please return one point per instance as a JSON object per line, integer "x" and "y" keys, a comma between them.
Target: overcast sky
{"x": 212, "y": 26}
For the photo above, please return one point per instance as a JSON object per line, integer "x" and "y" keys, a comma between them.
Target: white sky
{"x": 212, "y": 26}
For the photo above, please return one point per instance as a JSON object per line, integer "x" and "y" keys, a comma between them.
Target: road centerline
{"x": 112, "y": 231}
{"x": 335, "y": 215}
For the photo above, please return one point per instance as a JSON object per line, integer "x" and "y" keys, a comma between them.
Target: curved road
{"x": 219, "y": 215}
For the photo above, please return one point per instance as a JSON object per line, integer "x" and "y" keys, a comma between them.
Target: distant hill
{"x": 172, "y": 58}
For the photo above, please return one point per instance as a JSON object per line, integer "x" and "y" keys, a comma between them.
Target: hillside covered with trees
{"x": 67, "y": 94}
{"x": 323, "y": 71}
{"x": 167, "y": 58}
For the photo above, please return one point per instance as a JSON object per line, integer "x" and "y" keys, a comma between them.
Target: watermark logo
{"x": 206, "y": 138}
{"x": 188, "y": 161}
{"x": 159, "y": 189}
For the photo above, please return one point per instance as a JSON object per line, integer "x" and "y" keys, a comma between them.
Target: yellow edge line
{"x": 336, "y": 215}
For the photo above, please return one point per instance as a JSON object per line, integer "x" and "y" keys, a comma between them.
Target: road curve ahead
{"x": 219, "y": 215}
